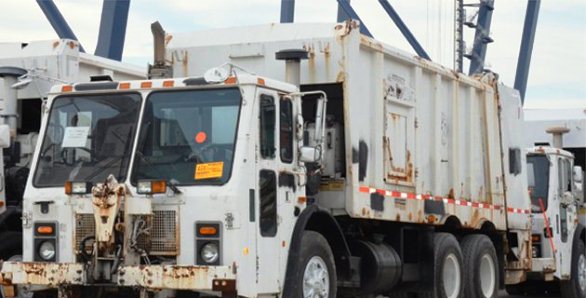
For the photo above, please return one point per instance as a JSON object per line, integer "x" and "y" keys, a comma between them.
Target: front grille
{"x": 85, "y": 226}
{"x": 163, "y": 238}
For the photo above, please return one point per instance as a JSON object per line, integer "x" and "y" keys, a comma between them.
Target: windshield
{"x": 188, "y": 137}
{"x": 87, "y": 138}
{"x": 538, "y": 174}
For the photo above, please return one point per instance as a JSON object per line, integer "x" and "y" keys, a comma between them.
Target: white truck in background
{"x": 27, "y": 73}
{"x": 369, "y": 172}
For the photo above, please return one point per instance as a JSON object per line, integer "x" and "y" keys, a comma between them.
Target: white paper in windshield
{"x": 75, "y": 136}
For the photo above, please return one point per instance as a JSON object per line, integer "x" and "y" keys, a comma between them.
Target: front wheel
{"x": 575, "y": 287}
{"x": 317, "y": 268}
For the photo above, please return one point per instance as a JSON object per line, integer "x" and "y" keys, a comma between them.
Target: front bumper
{"x": 155, "y": 277}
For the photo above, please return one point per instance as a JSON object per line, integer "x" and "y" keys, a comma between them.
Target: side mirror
{"x": 299, "y": 132}
{"x": 578, "y": 175}
{"x": 309, "y": 154}
{"x": 567, "y": 199}
{"x": 578, "y": 183}
{"x": 4, "y": 136}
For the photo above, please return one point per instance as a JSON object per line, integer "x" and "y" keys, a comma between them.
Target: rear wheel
{"x": 481, "y": 267}
{"x": 576, "y": 286}
{"x": 448, "y": 274}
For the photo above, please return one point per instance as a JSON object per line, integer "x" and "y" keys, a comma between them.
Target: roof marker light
{"x": 230, "y": 81}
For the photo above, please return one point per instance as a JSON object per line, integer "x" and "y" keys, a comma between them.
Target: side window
{"x": 268, "y": 203}
{"x": 267, "y": 127}
{"x": 565, "y": 176}
{"x": 570, "y": 176}
{"x": 286, "y": 131}
{"x": 515, "y": 161}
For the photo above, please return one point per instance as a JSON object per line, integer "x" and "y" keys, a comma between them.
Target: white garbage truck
{"x": 294, "y": 160}
{"x": 27, "y": 72}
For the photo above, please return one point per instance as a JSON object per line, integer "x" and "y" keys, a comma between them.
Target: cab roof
{"x": 547, "y": 150}
{"x": 107, "y": 85}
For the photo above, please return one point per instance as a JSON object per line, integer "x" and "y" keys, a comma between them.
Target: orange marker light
{"x": 124, "y": 86}
{"x": 167, "y": 84}
{"x": 230, "y": 81}
{"x": 200, "y": 137}
{"x": 208, "y": 231}
{"x": 68, "y": 187}
{"x": 66, "y": 88}
{"x": 260, "y": 81}
{"x": 45, "y": 230}
{"x": 159, "y": 186}
{"x": 302, "y": 200}
{"x": 147, "y": 84}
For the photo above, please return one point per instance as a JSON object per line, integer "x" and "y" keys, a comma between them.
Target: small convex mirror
{"x": 309, "y": 154}
{"x": 216, "y": 75}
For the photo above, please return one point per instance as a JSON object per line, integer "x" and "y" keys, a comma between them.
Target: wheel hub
{"x": 316, "y": 279}
{"x": 451, "y": 276}
{"x": 487, "y": 274}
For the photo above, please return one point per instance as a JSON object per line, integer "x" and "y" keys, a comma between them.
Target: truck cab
{"x": 177, "y": 178}
{"x": 555, "y": 189}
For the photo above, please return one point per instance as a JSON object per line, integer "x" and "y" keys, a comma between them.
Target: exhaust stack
{"x": 160, "y": 67}
{"x": 557, "y": 133}
{"x": 292, "y": 59}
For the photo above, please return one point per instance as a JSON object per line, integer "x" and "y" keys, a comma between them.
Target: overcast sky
{"x": 556, "y": 79}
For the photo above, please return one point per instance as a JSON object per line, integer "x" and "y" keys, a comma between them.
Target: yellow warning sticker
{"x": 209, "y": 170}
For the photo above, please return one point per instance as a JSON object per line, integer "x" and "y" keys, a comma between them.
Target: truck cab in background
{"x": 558, "y": 235}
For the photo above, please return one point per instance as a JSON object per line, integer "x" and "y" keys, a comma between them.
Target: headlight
{"x": 47, "y": 251}
{"x": 151, "y": 187}
{"x": 77, "y": 188}
{"x": 209, "y": 253}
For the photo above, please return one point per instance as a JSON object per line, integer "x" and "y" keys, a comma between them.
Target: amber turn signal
{"x": 151, "y": 187}
{"x": 208, "y": 231}
{"x": 45, "y": 230}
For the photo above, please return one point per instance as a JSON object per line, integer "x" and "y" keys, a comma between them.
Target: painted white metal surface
{"x": 537, "y": 121}
{"x": 58, "y": 61}
{"x": 430, "y": 132}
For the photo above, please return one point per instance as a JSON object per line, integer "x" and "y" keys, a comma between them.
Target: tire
{"x": 481, "y": 267}
{"x": 576, "y": 286}
{"x": 317, "y": 270}
{"x": 10, "y": 244}
{"x": 447, "y": 269}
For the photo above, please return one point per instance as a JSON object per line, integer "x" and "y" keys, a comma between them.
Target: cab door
{"x": 277, "y": 188}
{"x": 564, "y": 220}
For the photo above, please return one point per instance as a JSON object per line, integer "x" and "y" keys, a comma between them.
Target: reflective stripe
{"x": 461, "y": 202}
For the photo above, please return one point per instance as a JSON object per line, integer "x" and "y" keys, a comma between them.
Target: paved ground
{"x": 504, "y": 294}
